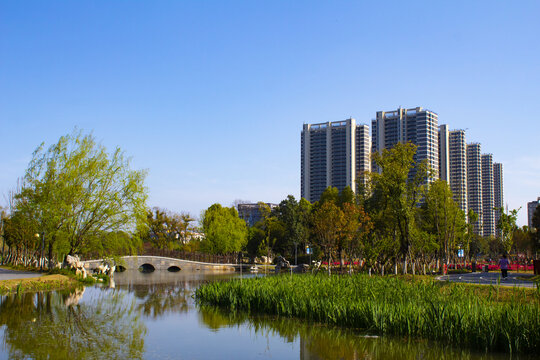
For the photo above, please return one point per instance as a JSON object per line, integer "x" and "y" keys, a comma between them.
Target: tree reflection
{"x": 42, "y": 326}
{"x": 160, "y": 299}
{"x": 318, "y": 342}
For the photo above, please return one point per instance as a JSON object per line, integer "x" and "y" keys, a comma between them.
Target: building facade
{"x": 416, "y": 125}
{"x": 498, "y": 194}
{"x": 251, "y": 213}
{"x": 458, "y": 167}
{"x": 474, "y": 184}
{"x": 488, "y": 196}
{"x": 531, "y": 208}
{"x": 333, "y": 154}
{"x": 444, "y": 153}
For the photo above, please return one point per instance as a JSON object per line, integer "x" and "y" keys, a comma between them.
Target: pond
{"x": 153, "y": 316}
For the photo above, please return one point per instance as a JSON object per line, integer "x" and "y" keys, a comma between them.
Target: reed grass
{"x": 452, "y": 313}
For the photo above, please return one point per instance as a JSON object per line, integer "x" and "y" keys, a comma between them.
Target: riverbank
{"x": 42, "y": 283}
{"x": 20, "y": 279}
{"x": 486, "y": 318}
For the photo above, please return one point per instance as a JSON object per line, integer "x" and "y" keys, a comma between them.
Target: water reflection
{"x": 154, "y": 316}
{"x": 59, "y": 325}
{"x": 318, "y": 342}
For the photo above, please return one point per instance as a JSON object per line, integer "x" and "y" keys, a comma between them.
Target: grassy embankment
{"x": 487, "y": 318}
{"x": 52, "y": 280}
{"x": 42, "y": 283}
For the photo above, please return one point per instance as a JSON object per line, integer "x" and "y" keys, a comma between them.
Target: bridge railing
{"x": 183, "y": 255}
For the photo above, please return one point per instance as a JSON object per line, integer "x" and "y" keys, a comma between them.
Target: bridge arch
{"x": 173, "y": 268}
{"x": 146, "y": 267}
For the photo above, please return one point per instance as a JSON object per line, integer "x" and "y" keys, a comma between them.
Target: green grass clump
{"x": 452, "y": 313}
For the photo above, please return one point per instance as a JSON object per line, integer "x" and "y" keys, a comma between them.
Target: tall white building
{"x": 488, "y": 197}
{"x": 444, "y": 153}
{"x": 458, "y": 168}
{"x": 498, "y": 193}
{"x": 333, "y": 154}
{"x": 453, "y": 163}
{"x": 474, "y": 184}
{"x": 417, "y": 125}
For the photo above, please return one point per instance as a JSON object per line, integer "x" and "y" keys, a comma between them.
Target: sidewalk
{"x": 490, "y": 278}
{"x": 8, "y": 274}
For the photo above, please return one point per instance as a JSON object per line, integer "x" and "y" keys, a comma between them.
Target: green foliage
{"x": 167, "y": 230}
{"x": 346, "y": 196}
{"x": 507, "y": 225}
{"x": 397, "y": 195}
{"x": 330, "y": 194}
{"x": 76, "y": 191}
{"x": 224, "y": 231}
{"x": 390, "y": 306}
{"x": 442, "y": 218}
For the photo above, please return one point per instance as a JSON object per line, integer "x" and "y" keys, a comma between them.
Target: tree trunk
{"x": 50, "y": 255}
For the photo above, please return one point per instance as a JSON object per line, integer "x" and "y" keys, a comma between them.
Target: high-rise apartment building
{"x": 363, "y": 153}
{"x": 453, "y": 163}
{"x": 474, "y": 184}
{"x": 488, "y": 197}
{"x": 498, "y": 193}
{"x": 458, "y": 167}
{"x": 333, "y": 154}
{"x": 531, "y": 208}
{"x": 417, "y": 125}
{"x": 444, "y": 153}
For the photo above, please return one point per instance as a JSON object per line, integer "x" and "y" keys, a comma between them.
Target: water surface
{"x": 154, "y": 316}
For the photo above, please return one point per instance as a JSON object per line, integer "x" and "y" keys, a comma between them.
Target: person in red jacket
{"x": 504, "y": 264}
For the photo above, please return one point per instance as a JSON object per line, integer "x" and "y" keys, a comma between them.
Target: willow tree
{"x": 224, "y": 231}
{"x": 78, "y": 191}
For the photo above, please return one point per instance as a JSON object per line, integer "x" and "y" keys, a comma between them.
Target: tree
{"x": 327, "y": 223}
{"x": 442, "y": 217}
{"x": 507, "y": 225}
{"x": 76, "y": 191}
{"x": 329, "y": 194}
{"x": 224, "y": 231}
{"x": 356, "y": 226}
{"x": 346, "y": 196}
{"x": 400, "y": 195}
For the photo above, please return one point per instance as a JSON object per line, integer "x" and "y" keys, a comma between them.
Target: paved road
{"x": 7, "y": 274}
{"x": 490, "y": 278}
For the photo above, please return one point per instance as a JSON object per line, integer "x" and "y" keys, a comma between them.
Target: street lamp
{"x": 42, "y": 246}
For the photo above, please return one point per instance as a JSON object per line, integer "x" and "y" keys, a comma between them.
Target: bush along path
{"x": 485, "y": 318}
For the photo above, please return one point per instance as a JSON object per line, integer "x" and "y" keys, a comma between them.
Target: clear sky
{"x": 210, "y": 96}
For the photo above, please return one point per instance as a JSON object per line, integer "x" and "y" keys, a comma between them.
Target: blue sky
{"x": 210, "y": 96}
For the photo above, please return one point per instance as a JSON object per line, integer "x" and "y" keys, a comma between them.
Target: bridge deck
{"x": 162, "y": 263}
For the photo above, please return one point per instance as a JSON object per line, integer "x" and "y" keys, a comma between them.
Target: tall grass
{"x": 387, "y": 305}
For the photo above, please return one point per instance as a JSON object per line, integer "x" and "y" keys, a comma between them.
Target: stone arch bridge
{"x": 151, "y": 263}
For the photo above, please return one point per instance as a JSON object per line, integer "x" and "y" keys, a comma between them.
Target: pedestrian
{"x": 504, "y": 263}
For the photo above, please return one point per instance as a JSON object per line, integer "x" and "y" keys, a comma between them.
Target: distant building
{"x": 488, "y": 198}
{"x": 458, "y": 168}
{"x": 474, "y": 184}
{"x": 250, "y": 213}
{"x": 498, "y": 193}
{"x": 453, "y": 163}
{"x": 333, "y": 154}
{"x": 444, "y": 153}
{"x": 417, "y": 125}
{"x": 531, "y": 208}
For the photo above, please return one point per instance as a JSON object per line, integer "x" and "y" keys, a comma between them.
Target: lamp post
{"x": 42, "y": 246}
